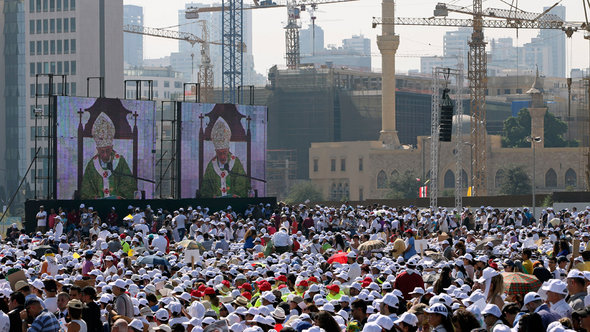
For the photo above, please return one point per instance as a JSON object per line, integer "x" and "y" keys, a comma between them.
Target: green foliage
{"x": 515, "y": 181}
{"x": 403, "y": 185}
{"x": 302, "y": 192}
{"x": 516, "y": 130}
{"x": 548, "y": 201}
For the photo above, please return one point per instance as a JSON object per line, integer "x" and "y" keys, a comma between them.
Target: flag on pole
{"x": 469, "y": 191}
{"x": 423, "y": 192}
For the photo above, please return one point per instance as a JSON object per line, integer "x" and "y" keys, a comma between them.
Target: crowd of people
{"x": 298, "y": 268}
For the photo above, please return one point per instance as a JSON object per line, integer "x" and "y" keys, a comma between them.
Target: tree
{"x": 515, "y": 181}
{"x": 516, "y": 129}
{"x": 303, "y": 191}
{"x": 404, "y": 185}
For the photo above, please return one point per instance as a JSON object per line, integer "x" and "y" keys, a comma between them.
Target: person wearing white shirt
{"x": 159, "y": 242}
{"x": 59, "y": 227}
{"x": 282, "y": 241}
{"x": 41, "y": 219}
{"x": 556, "y": 293}
{"x": 180, "y": 221}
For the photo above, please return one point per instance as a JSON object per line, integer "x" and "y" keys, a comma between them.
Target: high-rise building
{"x": 13, "y": 92}
{"x": 79, "y": 39}
{"x": 133, "y": 43}
{"x": 355, "y": 52}
{"x": 547, "y": 51}
{"x": 455, "y": 46}
{"x": 358, "y": 44}
{"x": 311, "y": 40}
{"x": 188, "y": 57}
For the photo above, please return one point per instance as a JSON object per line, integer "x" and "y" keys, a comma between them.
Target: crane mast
{"x": 477, "y": 75}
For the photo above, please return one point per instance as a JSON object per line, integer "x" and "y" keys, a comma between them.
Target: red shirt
{"x": 406, "y": 283}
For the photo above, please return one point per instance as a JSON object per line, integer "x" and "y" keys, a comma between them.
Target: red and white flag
{"x": 423, "y": 192}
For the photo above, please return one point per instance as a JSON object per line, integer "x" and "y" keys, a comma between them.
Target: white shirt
{"x": 562, "y": 308}
{"x": 160, "y": 243}
{"x": 180, "y": 221}
{"x": 51, "y": 304}
{"x": 110, "y": 271}
{"x": 43, "y": 221}
{"x": 59, "y": 229}
{"x": 4, "y": 322}
{"x": 281, "y": 239}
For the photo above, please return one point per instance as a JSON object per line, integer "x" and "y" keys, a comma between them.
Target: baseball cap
{"x": 491, "y": 309}
{"x": 555, "y": 286}
{"x": 531, "y": 297}
{"x": 407, "y": 318}
{"x": 136, "y": 324}
{"x": 437, "y": 308}
{"x": 391, "y": 300}
{"x": 162, "y": 315}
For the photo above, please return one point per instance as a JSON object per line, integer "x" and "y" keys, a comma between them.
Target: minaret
{"x": 537, "y": 109}
{"x": 388, "y": 43}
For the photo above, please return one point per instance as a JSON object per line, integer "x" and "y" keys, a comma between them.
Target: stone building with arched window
{"x": 557, "y": 169}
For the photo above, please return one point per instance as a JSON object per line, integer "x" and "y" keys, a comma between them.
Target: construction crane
{"x": 205, "y": 77}
{"x": 205, "y": 68}
{"x": 477, "y": 63}
{"x": 294, "y": 9}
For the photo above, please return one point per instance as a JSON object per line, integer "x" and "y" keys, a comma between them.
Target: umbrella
{"x": 40, "y": 250}
{"x": 484, "y": 242}
{"x": 517, "y": 283}
{"x": 190, "y": 244}
{"x": 128, "y": 217}
{"x": 368, "y": 246}
{"x": 153, "y": 259}
{"x": 339, "y": 257}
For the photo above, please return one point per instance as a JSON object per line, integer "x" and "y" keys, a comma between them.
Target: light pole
{"x": 534, "y": 140}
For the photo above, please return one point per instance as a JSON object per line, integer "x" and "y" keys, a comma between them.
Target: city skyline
{"x": 268, "y": 32}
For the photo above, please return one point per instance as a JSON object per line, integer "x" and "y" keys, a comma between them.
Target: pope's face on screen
{"x": 104, "y": 153}
{"x": 222, "y": 155}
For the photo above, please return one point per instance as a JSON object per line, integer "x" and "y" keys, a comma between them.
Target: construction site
{"x": 315, "y": 110}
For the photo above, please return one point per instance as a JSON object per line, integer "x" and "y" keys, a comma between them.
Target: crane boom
{"x": 164, "y": 33}
{"x": 193, "y": 12}
{"x": 442, "y": 9}
{"x": 468, "y": 23}
{"x": 172, "y": 34}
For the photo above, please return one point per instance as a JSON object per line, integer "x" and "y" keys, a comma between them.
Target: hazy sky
{"x": 342, "y": 20}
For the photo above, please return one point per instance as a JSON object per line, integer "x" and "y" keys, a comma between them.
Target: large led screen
{"x": 105, "y": 148}
{"x": 223, "y": 150}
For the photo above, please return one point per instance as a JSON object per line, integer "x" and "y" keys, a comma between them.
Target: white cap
{"x": 136, "y": 324}
{"x": 385, "y": 322}
{"x": 162, "y": 315}
{"x": 418, "y": 290}
{"x": 269, "y": 296}
{"x": 121, "y": 284}
{"x": 575, "y": 274}
{"x": 407, "y": 318}
{"x": 369, "y": 327}
{"x": 488, "y": 273}
{"x": 555, "y": 286}
{"x": 531, "y": 297}
{"x": 437, "y": 308}
{"x": 391, "y": 300}
{"x": 492, "y": 309}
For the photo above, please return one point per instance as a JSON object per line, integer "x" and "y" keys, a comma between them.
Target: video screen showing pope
{"x": 223, "y": 150}
{"x": 105, "y": 148}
